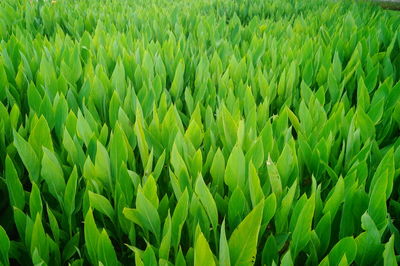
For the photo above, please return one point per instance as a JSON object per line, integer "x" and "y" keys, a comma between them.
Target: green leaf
{"x": 14, "y": 186}
{"x": 343, "y": 261}
{"x": 207, "y": 201}
{"x": 295, "y": 121}
{"x": 149, "y": 213}
{"x": 270, "y": 251}
{"x": 256, "y": 153}
{"x": 36, "y": 259}
{"x": 138, "y": 259}
{"x": 177, "y": 83}
{"x": 180, "y": 168}
{"x": 377, "y": 202}
{"x": 270, "y": 204}
{"x": 159, "y": 166}
{"x": 105, "y": 250}
{"x": 74, "y": 150}
{"x": 61, "y": 113}
{"x": 287, "y": 259}
{"x": 243, "y": 241}
{"x": 83, "y": 129}
{"x": 145, "y": 215}
{"x": 70, "y": 247}
{"x": 52, "y": 173}
{"x": 118, "y": 149}
{"x": 118, "y": 79}
{"x": 237, "y": 207}
{"x": 235, "y": 169}
{"x": 376, "y": 110}
{"x": 141, "y": 139}
{"x": 20, "y": 219}
{"x": 53, "y": 224}
{"x": 92, "y": 236}
{"x": 101, "y": 204}
{"x": 364, "y": 122}
{"x": 40, "y": 137}
{"x": 369, "y": 245}
{"x": 35, "y": 201}
{"x": 149, "y": 258}
{"x": 4, "y": 246}
{"x": 71, "y": 67}
{"x": 28, "y": 156}
{"x": 281, "y": 217}
{"x": 240, "y": 134}
{"x": 150, "y": 191}
{"x": 386, "y": 164}
{"x": 336, "y": 198}
{"x": 345, "y": 247}
{"x": 256, "y": 193}
{"x": 102, "y": 165}
{"x": 202, "y": 252}
{"x": 166, "y": 240}
{"x": 302, "y": 231}
{"x": 363, "y": 99}
{"x": 179, "y": 217}
{"x": 389, "y": 257}
{"x": 274, "y": 177}
{"x": 180, "y": 259}
{"x": 228, "y": 127}
{"x": 133, "y": 215}
{"x": 217, "y": 169}
{"x": 196, "y": 163}
{"x": 285, "y": 164}
{"x": 115, "y": 104}
{"x": 323, "y": 230}
{"x": 70, "y": 193}
{"x": 224, "y": 257}
{"x": 194, "y": 134}
{"x": 39, "y": 241}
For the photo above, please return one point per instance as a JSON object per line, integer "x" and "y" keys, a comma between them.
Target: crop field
{"x": 199, "y": 132}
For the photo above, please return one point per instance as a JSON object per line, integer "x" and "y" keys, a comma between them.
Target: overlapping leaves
{"x": 199, "y": 132}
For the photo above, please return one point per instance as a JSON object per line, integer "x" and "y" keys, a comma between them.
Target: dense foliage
{"x": 199, "y": 132}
